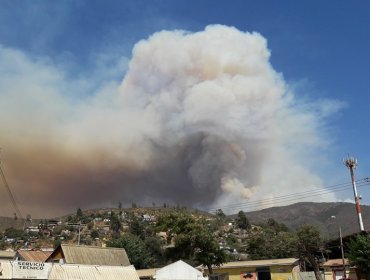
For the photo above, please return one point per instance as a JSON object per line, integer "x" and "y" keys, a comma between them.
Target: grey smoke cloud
{"x": 201, "y": 119}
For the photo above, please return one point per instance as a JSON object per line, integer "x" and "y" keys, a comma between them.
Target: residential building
{"x": 7, "y": 255}
{"x": 76, "y": 254}
{"x": 334, "y": 269}
{"x": 53, "y": 271}
{"x": 179, "y": 270}
{"x": 32, "y": 255}
{"x": 277, "y": 269}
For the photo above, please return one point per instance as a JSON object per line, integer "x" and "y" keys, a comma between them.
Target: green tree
{"x": 90, "y": 225}
{"x": 135, "y": 248}
{"x": 203, "y": 245}
{"x": 242, "y": 221}
{"x": 272, "y": 223}
{"x": 44, "y": 224}
{"x": 175, "y": 222}
{"x": 137, "y": 227}
{"x": 57, "y": 230}
{"x": 115, "y": 223}
{"x": 309, "y": 245}
{"x": 79, "y": 213}
{"x": 232, "y": 242}
{"x": 194, "y": 240}
{"x": 271, "y": 244}
{"x": 13, "y": 233}
{"x": 154, "y": 247}
{"x": 94, "y": 234}
{"x": 359, "y": 254}
{"x": 220, "y": 214}
{"x": 57, "y": 242}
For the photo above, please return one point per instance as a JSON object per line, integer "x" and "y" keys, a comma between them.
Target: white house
{"x": 179, "y": 271}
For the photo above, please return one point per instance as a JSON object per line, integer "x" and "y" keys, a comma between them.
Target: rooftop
{"x": 259, "y": 263}
{"x": 78, "y": 254}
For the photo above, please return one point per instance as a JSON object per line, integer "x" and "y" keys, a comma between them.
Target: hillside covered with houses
{"x": 150, "y": 234}
{"x": 154, "y": 237}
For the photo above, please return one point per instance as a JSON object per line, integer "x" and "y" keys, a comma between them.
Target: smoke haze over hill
{"x": 199, "y": 119}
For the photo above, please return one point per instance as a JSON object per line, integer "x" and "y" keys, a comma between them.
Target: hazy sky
{"x": 202, "y": 103}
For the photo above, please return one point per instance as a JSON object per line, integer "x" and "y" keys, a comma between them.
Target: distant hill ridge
{"x": 293, "y": 216}
{"x": 318, "y": 214}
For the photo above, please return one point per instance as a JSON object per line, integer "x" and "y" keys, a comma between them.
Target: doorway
{"x": 338, "y": 274}
{"x": 264, "y": 274}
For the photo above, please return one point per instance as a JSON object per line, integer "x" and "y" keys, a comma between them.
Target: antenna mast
{"x": 351, "y": 163}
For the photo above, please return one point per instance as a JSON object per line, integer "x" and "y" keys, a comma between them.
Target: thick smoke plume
{"x": 200, "y": 119}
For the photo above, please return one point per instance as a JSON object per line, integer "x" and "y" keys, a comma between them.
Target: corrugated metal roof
{"x": 80, "y": 272}
{"x": 7, "y": 254}
{"x": 6, "y": 270}
{"x": 124, "y": 273}
{"x": 33, "y": 256}
{"x": 335, "y": 262}
{"x": 75, "y": 254}
{"x": 88, "y": 272}
{"x": 259, "y": 263}
{"x": 149, "y": 272}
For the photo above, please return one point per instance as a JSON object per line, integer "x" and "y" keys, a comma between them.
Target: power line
{"x": 10, "y": 193}
{"x": 280, "y": 200}
{"x": 287, "y": 197}
{"x": 296, "y": 194}
{"x": 290, "y": 197}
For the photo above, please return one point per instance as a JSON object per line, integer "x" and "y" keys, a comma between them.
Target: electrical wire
{"x": 277, "y": 200}
{"x": 7, "y": 187}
